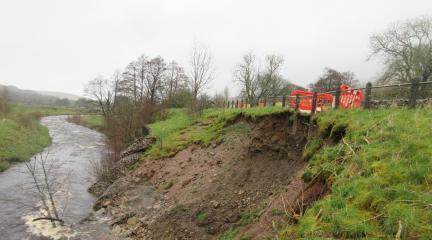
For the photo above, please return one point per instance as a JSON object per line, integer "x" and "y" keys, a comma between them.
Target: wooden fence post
{"x": 232, "y": 104}
{"x": 283, "y": 101}
{"x": 367, "y": 98}
{"x": 314, "y": 103}
{"x": 295, "y": 120}
{"x": 337, "y": 98}
{"x": 413, "y": 96}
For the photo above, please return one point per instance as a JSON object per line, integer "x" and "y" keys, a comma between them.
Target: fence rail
{"x": 400, "y": 94}
{"x": 403, "y": 94}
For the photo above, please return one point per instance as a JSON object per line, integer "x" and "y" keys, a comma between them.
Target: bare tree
{"x": 246, "y": 76}
{"x": 46, "y": 184}
{"x": 175, "y": 78}
{"x": 142, "y": 72}
{"x": 406, "y": 48}
{"x": 270, "y": 81}
{"x": 129, "y": 85}
{"x": 201, "y": 72}
{"x": 156, "y": 69}
{"x": 101, "y": 89}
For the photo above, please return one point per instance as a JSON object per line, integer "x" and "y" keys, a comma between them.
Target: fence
{"x": 405, "y": 94}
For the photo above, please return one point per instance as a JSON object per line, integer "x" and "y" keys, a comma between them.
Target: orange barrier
{"x": 324, "y": 100}
{"x": 348, "y": 99}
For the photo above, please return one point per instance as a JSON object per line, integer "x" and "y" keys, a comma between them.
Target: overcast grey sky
{"x": 60, "y": 45}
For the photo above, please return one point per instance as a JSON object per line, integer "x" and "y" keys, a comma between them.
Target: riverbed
{"x": 74, "y": 150}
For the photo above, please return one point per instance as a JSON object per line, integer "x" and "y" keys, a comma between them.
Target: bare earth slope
{"x": 215, "y": 192}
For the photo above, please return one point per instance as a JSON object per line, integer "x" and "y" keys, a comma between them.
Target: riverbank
{"x": 74, "y": 150}
{"x": 236, "y": 174}
{"x": 22, "y": 135}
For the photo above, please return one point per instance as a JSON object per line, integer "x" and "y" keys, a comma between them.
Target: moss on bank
{"x": 379, "y": 173}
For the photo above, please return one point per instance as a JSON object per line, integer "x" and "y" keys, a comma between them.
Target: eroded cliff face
{"x": 226, "y": 188}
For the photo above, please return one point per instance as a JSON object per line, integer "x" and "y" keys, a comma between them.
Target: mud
{"x": 201, "y": 193}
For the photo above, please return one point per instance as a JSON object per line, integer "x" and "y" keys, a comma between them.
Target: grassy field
{"x": 21, "y": 134}
{"x": 380, "y": 175}
{"x": 181, "y": 129}
{"x": 96, "y": 122}
{"x": 42, "y": 109}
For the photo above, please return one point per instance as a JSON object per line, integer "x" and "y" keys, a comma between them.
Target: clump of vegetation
{"x": 245, "y": 219}
{"x": 311, "y": 148}
{"x": 181, "y": 129}
{"x": 201, "y": 217}
{"x": 379, "y": 174}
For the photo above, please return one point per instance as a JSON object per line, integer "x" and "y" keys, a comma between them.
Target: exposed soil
{"x": 200, "y": 193}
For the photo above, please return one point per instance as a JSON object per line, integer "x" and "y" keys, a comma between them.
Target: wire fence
{"x": 411, "y": 94}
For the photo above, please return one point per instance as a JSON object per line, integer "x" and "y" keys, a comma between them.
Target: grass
{"x": 45, "y": 110}
{"x": 245, "y": 219}
{"x": 18, "y": 143}
{"x": 96, "y": 122}
{"x": 21, "y": 134}
{"x": 379, "y": 174}
{"x": 181, "y": 129}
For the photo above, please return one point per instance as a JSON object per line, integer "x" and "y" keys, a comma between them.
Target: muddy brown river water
{"x": 74, "y": 147}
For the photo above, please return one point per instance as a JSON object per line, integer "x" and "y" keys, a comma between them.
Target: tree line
{"x": 405, "y": 49}
{"x": 130, "y": 97}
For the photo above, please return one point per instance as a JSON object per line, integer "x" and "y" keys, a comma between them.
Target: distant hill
{"x": 69, "y": 96}
{"x": 15, "y": 94}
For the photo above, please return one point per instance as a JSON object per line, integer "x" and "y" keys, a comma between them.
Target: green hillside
{"x": 380, "y": 175}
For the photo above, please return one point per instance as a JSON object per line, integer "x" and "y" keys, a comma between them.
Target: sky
{"x": 59, "y": 45}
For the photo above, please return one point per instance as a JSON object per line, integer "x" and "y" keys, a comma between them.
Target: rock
{"x": 122, "y": 219}
{"x": 241, "y": 192}
{"x": 274, "y": 139}
{"x": 138, "y": 146}
{"x": 115, "y": 189}
{"x": 116, "y": 230}
{"x": 215, "y": 204}
{"x": 211, "y": 230}
{"x": 100, "y": 212}
{"x": 132, "y": 221}
{"x": 212, "y": 154}
{"x": 186, "y": 182}
{"x": 106, "y": 203}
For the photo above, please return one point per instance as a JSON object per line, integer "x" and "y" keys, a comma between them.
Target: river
{"x": 73, "y": 149}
